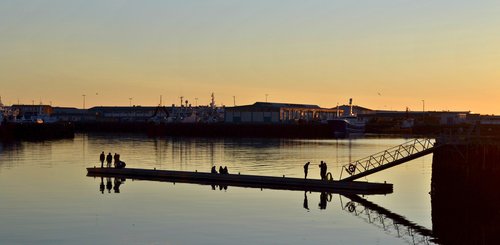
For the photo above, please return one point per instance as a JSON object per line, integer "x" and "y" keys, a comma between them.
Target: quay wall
{"x": 214, "y": 129}
{"x": 473, "y": 160}
{"x": 281, "y": 130}
{"x": 33, "y": 131}
{"x": 465, "y": 192}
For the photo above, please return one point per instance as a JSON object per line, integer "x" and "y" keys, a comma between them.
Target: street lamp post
{"x": 423, "y": 110}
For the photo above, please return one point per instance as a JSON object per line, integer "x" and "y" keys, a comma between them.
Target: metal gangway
{"x": 392, "y": 223}
{"x": 389, "y": 158}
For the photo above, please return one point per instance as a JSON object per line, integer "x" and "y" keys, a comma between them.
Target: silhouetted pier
{"x": 252, "y": 181}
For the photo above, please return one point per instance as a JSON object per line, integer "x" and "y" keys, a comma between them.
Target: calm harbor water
{"x": 46, "y": 197}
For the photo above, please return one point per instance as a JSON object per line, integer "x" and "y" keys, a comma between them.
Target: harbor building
{"x": 428, "y": 117}
{"x": 72, "y": 114}
{"x": 272, "y": 113}
{"x": 32, "y": 110}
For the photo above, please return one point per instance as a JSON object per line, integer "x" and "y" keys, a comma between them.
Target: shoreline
{"x": 225, "y": 130}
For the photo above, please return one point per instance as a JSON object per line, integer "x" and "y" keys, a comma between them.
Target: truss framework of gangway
{"x": 389, "y": 158}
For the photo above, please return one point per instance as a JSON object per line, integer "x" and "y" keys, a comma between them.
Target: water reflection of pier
{"x": 388, "y": 221}
{"x": 392, "y": 223}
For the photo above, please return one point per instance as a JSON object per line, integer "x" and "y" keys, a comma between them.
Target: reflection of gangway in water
{"x": 392, "y": 223}
{"x": 389, "y": 158}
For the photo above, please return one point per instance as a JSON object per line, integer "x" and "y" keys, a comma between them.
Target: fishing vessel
{"x": 33, "y": 125}
{"x": 347, "y": 126}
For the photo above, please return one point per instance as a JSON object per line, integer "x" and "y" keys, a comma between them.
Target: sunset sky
{"x": 385, "y": 54}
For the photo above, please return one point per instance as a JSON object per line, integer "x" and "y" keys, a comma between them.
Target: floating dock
{"x": 240, "y": 180}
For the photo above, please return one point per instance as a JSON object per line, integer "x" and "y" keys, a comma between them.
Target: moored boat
{"x": 346, "y": 126}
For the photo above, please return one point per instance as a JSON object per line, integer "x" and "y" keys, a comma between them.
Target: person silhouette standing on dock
{"x": 306, "y": 169}
{"x": 214, "y": 171}
{"x": 116, "y": 158}
{"x": 109, "y": 159}
{"x": 323, "y": 169}
{"x": 101, "y": 158}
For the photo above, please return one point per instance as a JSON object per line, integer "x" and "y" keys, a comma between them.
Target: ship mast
{"x": 350, "y": 106}
{"x": 212, "y": 103}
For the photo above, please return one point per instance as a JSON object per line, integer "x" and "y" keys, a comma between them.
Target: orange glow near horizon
{"x": 386, "y": 55}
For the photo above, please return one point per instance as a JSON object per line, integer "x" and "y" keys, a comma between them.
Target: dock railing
{"x": 388, "y": 158}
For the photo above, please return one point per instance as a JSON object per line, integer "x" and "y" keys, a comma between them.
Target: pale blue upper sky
{"x": 318, "y": 52}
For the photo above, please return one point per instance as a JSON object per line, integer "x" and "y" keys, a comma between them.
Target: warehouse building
{"x": 264, "y": 112}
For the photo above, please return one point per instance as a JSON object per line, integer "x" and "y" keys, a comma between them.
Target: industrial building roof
{"x": 270, "y": 105}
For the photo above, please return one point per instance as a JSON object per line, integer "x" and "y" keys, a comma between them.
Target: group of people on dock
{"x": 222, "y": 170}
{"x": 322, "y": 170}
{"x": 109, "y": 159}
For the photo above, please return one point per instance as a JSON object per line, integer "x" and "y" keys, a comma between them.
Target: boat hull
{"x": 344, "y": 128}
